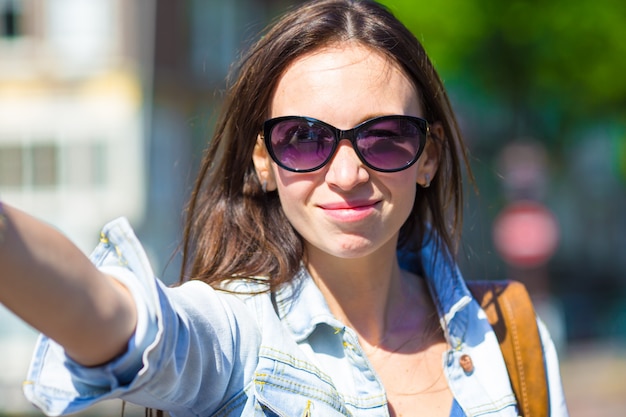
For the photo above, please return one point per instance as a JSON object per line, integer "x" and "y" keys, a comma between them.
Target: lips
{"x": 349, "y": 205}
{"x": 347, "y": 211}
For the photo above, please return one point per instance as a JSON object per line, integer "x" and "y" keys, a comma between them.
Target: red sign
{"x": 526, "y": 234}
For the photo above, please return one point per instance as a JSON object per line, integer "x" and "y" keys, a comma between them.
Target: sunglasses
{"x": 385, "y": 144}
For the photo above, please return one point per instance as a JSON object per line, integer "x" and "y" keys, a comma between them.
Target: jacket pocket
{"x": 289, "y": 386}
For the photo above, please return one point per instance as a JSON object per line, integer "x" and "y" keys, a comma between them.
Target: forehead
{"x": 344, "y": 79}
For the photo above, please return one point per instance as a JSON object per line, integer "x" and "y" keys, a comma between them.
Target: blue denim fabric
{"x": 457, "y": 411}
{"x": 202, "y": 352}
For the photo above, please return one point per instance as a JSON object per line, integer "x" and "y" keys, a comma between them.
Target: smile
{"x": 350, "y": 212}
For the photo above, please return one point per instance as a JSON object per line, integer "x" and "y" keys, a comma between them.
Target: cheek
{"x": 404, "y": 192}
{"x": 403, "y": 184}
{"x": 408, "y": 199}
{"x": 293, "y": 188}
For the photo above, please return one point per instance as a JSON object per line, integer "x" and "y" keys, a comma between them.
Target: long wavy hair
{"x": 233, "y": 228}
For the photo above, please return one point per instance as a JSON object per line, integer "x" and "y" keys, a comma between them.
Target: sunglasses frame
{"x": 350, "y": 134}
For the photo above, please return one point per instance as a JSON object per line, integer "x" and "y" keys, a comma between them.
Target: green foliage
{"x": 528, "y": 53}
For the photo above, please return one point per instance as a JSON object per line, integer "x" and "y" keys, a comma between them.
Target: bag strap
{"x": 510, "y": 312}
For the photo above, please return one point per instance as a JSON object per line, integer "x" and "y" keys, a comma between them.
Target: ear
{"x": 428, "y": 163}
{"x": 263, "y": 165}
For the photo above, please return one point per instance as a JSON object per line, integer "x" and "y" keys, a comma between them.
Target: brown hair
{"x": 233, "y": 228}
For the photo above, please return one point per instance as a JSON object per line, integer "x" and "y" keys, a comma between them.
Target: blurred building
{"x": 73, "y": 83}
{"x": 75, "y": 78}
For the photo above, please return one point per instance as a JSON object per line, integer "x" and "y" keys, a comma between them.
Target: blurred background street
{"x": 593, "y": 381}
{"x": 106, "y": 105}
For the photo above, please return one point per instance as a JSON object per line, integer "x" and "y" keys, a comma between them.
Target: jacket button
{"x": 466, "y": 363}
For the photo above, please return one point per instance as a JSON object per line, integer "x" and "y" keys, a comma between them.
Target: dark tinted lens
{"x": 390, "y": 144}
{"x": 301, "y": 144}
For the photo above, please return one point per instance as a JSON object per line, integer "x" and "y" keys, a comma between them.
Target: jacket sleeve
{"x": 193, "y": 348}
{"x": 556, "y": 396}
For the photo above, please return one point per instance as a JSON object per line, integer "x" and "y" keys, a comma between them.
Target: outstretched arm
{"x": 52, "y": 285}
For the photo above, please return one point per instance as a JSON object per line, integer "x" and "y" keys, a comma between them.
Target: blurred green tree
{"x": 558, "y": 59}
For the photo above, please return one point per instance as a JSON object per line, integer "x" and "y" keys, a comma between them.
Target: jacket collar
{"x": 301, "y": 305}
{"x": 445, "y": 282}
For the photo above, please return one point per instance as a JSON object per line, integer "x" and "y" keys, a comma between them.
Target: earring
{"x": 426, "y": 181}
{"x": 264, "y": 186}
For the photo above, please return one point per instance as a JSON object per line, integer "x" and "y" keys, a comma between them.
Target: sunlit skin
{"x": 345, "y": 209}
{"x": 349, "y": 217}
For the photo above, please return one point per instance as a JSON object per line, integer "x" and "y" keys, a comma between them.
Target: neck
{"x": 368, "y": 294}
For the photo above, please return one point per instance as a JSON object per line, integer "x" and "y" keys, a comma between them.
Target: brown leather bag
{"x": 512, "y": 316}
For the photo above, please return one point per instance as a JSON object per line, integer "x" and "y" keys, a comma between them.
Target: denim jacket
{"x": 198, "y": 351}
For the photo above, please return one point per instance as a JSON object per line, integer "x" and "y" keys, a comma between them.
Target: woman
{"x": 336, "y": 148}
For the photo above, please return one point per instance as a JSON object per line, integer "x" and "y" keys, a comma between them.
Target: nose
{"x": 345, "y": 169}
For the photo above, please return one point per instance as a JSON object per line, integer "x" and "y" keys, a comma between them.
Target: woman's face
{"x": 345, "y": 209}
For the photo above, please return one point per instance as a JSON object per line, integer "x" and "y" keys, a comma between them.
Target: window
{"x": 48, "y": 165}
{"x": 10, "y": 19}
{"x": 11, "y": 170}
{"x": 44, "y": 165}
